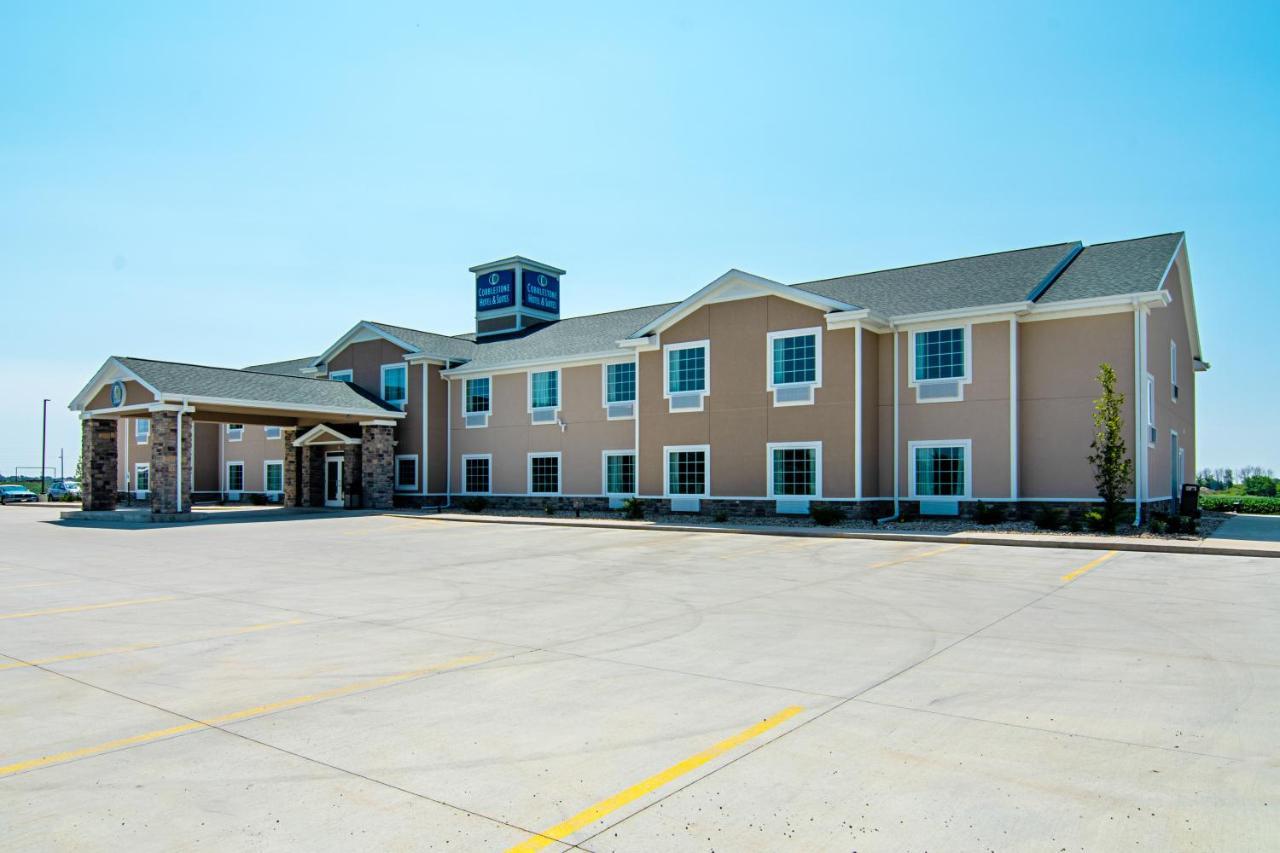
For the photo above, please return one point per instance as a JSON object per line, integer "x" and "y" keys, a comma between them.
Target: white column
{"x": 1013, "y": 408}
{"x": 857, "y": 410}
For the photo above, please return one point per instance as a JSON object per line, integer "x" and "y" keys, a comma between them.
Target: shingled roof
{"x": 174, "y": 379}
{"x": 443, "y": 346}
{"x": 292, "y": 367}
{"x": 1116, "y": 269}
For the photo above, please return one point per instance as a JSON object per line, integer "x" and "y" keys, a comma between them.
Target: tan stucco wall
{"x": 510, "y": 436}
{"x": 739, "y": 418}
{"x": 1058, "y": 363}
{"x": 129, "y": 453}
{"x": 253, "y": 449}
{"x": 134, "y": 394}
{"x": 1163, "y": 325}
{"x": 205, "y": 456}
{"x": 870, "y": 416}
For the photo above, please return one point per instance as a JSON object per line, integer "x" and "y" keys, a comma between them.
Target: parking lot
{"x": 380, "y": 682}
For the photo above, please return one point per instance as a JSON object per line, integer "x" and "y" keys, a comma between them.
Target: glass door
{"x": 333, "y": 481}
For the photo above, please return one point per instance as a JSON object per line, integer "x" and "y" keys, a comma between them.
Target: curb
{"x": 960, "y": 539}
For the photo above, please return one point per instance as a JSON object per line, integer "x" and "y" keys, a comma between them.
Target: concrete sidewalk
{"x": 1214, "y": 546}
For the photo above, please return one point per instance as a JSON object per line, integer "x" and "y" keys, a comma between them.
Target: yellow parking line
{"x": 81, "y": 608}
{"x": 94, "y": 653}
{"x": 915, "y": 557}
{"x": 234, "y": 716}
{"x": 593, "y": 813}
{"x": 1092, "y": 564}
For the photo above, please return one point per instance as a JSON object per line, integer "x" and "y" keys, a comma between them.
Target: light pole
{"x": 44, "y": 436}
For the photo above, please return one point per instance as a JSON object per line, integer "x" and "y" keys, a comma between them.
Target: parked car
{"x": 16, "y": 494}
{"x": 64, "y": 490}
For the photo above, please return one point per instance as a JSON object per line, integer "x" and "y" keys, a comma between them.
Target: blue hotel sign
{"x": 540, "y": 291}
{"x": 495, "y": 290}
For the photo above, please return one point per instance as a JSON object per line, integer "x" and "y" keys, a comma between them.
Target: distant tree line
{"x": 1248, "y": 480}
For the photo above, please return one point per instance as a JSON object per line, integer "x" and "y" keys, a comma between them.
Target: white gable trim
{"x": 111, "y": 370}
{"x": 323, "y": 434}
{"x": 1188, "y": 299}
{"x": 734, "y": 285}
{"x": 360, "y": 332}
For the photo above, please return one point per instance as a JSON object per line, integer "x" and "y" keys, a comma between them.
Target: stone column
{"x": 164, "y": 461}
{"x": 290, "y": 496}
{"x": 352, "y": 482}
{"x": 377, "y": 463}
{"x": 99, "y": 453}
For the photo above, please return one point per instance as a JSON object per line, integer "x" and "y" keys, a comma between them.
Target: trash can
{"x": 1190, "y": 503}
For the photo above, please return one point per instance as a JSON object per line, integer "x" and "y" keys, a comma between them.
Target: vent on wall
{"x": 938, "y": 391}
{"x": 681, "y": 402}
{"x": 793, "y": 394}
{"x": 617, "y": 411}
{"x": 477, "y": 419}
{"x": 544, "y": 416}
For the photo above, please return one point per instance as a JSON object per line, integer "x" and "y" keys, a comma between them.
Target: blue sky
{"x": 223, "y": 184}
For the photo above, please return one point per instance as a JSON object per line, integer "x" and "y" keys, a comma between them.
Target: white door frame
{"x": 341, "y": 499}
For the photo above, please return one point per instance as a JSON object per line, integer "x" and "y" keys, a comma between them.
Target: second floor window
{"x": 939, "y": 354}
{"x": 620, "y": 382}
{"x": 235, "y": 432}
{"x": 795, "y": 359}
{"x": 395, "y": 384}
{"x": 544, "y": 390}
{"x": 272, "y": 432}
{"x": 687, "y": 369}
{"x": 478, "y": 395}
{"x": 142, "y": 430}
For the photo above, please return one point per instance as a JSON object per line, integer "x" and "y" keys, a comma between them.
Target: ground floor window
{"x": 795, "y": 469}
{"x": 273, "y": 476}
{"x": 475, "y": 474}
{"x": 687, "y": 470}
{"x": 235, "y": 476}
{"x": 940, "y": 469}
{"x": 142, "y": 477}
{"x": 619, "y": 473}
{"x": 544, "y": 473}
{"x": 407, "y": 473}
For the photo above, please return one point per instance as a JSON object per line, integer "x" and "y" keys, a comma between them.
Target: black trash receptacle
{"x": 1190, "y": 503}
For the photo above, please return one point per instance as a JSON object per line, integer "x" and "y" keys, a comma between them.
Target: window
{"x": 141, "y": 477}
{"x": 395, "y": 384}
{"x": 273, "y": 476}
{"x": 544, "y": 473}
{"x": 687, "y": 382}
{"x": 235, "y": 432}
{"x": 939, "y": 354}
{"x": 795, "y": 470}
{"x": 687, "y": 470}
{"x": 939, "y": 469}
{"x": 477, "y": 391}
{"x": 1150, "y": 413}
{"x": 342, "y": 376}
{"x": 620, "y": 382}
{"x": 235, "y": 476}
{"x": 142, "y": 430}
{"x": 544, "y": 390}
{"x": 1173, "y": 368}
{"x": 793, "y": 358}
{"x": 475, "y": 474}
{"x": 619, "y": 472}
{"x": 407, "y": 473}
{"x": 272, "y": 432}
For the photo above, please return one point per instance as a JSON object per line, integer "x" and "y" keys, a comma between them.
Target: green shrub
{"x": 633, "y": 508}
{"x": 1173, "y": 523}
{"x": 1073, "y": 523}
{"x": 258, "y": 499}
{"x": 1248, "y": 503}
{"x": 721, "y": 517}
{"x": 474, "y": 503}
{"x": 1158, "y": 525}
{"x": 985, "y": 513}
{"x": 1048, "y": 518}
{"x": 1188, "y": 524}
{"x": 826, "y": 515}
{"x": 1099, "y": 522}
{"x": 549, "y": 508}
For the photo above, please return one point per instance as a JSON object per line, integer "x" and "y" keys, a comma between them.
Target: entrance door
{"x": 333, "y": 480}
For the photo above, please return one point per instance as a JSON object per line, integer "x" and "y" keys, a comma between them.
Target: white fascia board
{"x": 323, "y": 430}
{"x": 424, "y": 357}
{"x": 1000, "y": 311}
{"x": 536, "y": 266}
{"x": 1188, "y": 298}
{"x": 864, "y": 316}
{"x": 521, "y": 366}
{"x": 363, "y": 326}
{"x": 288, "y": 407}
{"x": 1096, "y": 305}
{"x": 645, "y": 344}
{"x": 112, "y": 369}
{"x": 764, "y": 286}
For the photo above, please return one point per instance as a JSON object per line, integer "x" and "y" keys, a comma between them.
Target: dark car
{"x": 64, "y": 490}
{"x": 16, "y": 494}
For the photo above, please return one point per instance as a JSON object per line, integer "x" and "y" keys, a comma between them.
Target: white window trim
{"x": 960, "y": 381}
{"x": 1149, "y": 410}
{"x": 816, "y": 446}
{"x": 667, "y": 349}
{"x": 231, "y": 463}
{"x": 465, "y": 457}
{"x": 528, "y": 474}
{"x": 529, "y": 394}
{"x": 267, "y": 463}
{"x": 1173, "y": 371}
{"x": 266, "y": 431}
{"x": 141, "y": 466}
{"x": 235, "y": 434}
{"x": 771, "y": 386}
{"x": 342, "y": 375}
{"x": 382, "y": 386}
{"x": 966, "y": 443}
{"x": 396, "y": 484}
{"x": 604, "y": 390}
{"x": 667, "y": 450}
{"x": 604, "y": 472}
{"x": 141, "y": 439}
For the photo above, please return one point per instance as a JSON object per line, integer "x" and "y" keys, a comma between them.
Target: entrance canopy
{"x": 132, "y": 387}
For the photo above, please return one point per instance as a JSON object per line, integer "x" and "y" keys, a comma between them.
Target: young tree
{"x": 1112, "y": 468}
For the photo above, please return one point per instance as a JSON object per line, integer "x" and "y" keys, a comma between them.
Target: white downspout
{"x": 1013, "y": 408}
{"x": 857, "y": 411}
{"x": 1139, "y": 397}
{"x": 636, "y": 441}
{"x": 896, "y": 506}
{"x": 448, "y": 442}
